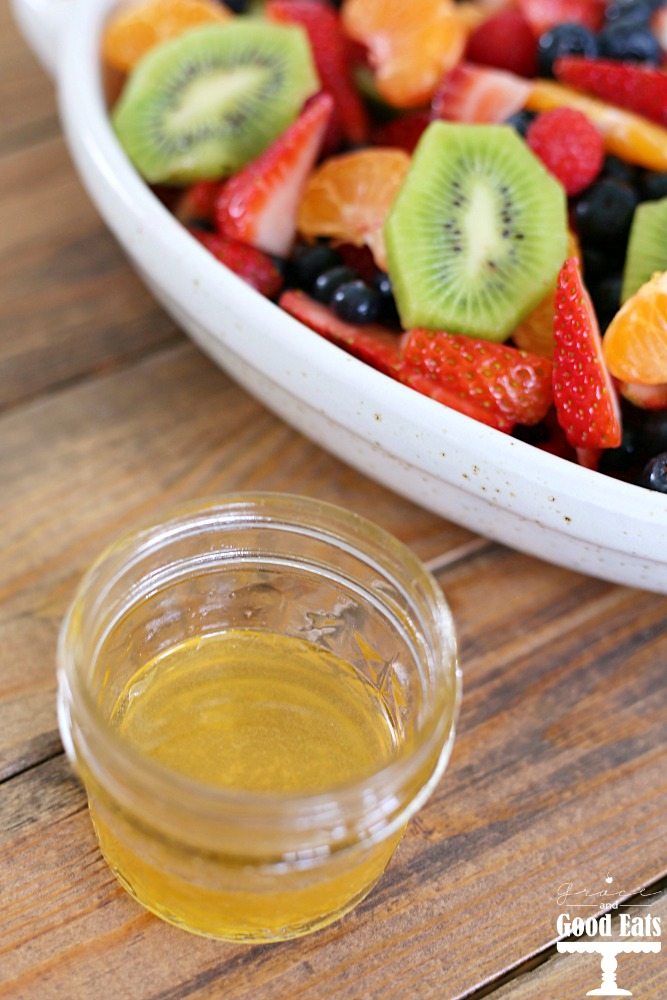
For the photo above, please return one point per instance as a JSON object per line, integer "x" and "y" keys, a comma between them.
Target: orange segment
{"x": 627, "y": 135}
{"x": 411, "y": 44}
{"x": 536, "y": 332}
{"x": 349, "y": 196}
{"x": 135, "y": 29}
{"x": 635, "y": 344}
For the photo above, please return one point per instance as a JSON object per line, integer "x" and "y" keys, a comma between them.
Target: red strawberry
{"x": 500, "y": 385}
{"x": 584, "y": 394}
{"x": 478, "y": 94}
{"x": 647, "y": 397}
{"x": 374, "y": 344}
{"x": 259, "y": 205}
{"x": 545, "y": 14}
{"x": 403, "y": 132}
{"x": 331, "y": 53}
{"x": 636, "y": 88}
{"x": 250, "y": 264}
{"x": 569, "y": 146}
{"x": 197, "y": 203}
{"x": 505, "y": 41}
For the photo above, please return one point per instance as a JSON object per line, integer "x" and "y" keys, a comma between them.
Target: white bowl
{"x": 448, "y": 463}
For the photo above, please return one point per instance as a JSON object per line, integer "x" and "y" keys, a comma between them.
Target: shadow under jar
{"x": 258, "y": 693}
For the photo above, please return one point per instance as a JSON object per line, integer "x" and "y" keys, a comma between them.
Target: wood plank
{"x": 69, "y": 303}
{"x": 80, "y": 465}
{"x": 571, "y": 976}
{"x": 561, "y": 741}
{"x": 26, "y": 93}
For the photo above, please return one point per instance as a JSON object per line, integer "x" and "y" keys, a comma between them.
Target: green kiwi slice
{"x": 201, "y": 106}
{"x": 647, "y": 247}
{"x": 477, "y": 233}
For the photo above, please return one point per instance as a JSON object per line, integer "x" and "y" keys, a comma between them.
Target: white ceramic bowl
{"x": 448, "y": 463}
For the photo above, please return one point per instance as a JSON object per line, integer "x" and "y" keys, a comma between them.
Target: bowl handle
{"x": 41, "y": 23}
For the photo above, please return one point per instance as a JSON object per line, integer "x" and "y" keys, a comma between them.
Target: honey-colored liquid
{"x": 258, "y": 712}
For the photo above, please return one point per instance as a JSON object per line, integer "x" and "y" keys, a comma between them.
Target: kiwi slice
{"x": 477, "y": 233}
{"x": 647, "y": 247}
{"x": 201, "y": 106}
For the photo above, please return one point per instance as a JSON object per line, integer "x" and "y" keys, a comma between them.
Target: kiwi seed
{"x": 477, "y": 233}
{"x": 203, "y": 105}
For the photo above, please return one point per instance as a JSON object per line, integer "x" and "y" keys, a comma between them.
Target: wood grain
{"x": 559, "y": 771}
{"x": 82, "y": 464}
{"x": 69, "y": 305}
{"x": 560, "y": 743}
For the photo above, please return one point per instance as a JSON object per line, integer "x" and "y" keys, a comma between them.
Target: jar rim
{"x": 343, "y": 529}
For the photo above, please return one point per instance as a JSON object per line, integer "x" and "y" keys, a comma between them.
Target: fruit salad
{"x": 470, "y": 197}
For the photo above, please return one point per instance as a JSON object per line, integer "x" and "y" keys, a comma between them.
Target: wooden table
{"x": 559, "y": 772}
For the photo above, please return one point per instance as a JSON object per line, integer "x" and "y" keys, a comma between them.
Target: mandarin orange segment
{"x": 348, "y": 197}
{"x": 635, "y": 344}
{"x": 411, "y": 45}
{"x": 536, "y": 332}
{"x": 133, "y": 30}
{"x": 627, "y": 135}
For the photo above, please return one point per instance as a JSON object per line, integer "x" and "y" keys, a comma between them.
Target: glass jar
{"x": 243, "y": 865}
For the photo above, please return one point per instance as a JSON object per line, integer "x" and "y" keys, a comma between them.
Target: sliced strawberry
{"x": 478, "y": 94}
{"x": 403, "y": 132}
{"x": 647, "y": 397}
{"x": 628, "y": 85}
{"x": 331, "y": 53}
{"x": 502, "y": 385}
{"x": 374, "y": 344}
{"x": 259, "y": 205}
{"x": 584, "y": 394}
{"x": 542, "y": 15}
{"x": 249, "y": 263}
{"x": 505, "y": 41}
{"x": 197, "y": 203}
{"x": 496, "y": 384}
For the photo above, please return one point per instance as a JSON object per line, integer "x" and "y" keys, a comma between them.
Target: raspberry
{"x": 505, "y": 41}
{"x": 569, "y": 146}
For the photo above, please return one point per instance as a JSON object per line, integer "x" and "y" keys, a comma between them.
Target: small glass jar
{"x": 242, "y": 865}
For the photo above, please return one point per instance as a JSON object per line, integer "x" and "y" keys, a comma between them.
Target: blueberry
{"x": 629, "y": 43}
{"x": 604, "y": 212}
{"x": 620, "y": 170}
{"x": 653, "y": 186}
{"x": 564, "y": 40}
{"x": 630, "y": 12}
{"x": 356, "y": 302}
{"x": 237, "y": 6}
{"x": 388, "y": 311}
{"x": 520, "y": 121}
{"x": 654, "y": 476}
{"x": 326, "y": 283}
{"x": 606, "y": 295}
{"x": 309, "y": 262}
{"x": 383, "y": 286}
